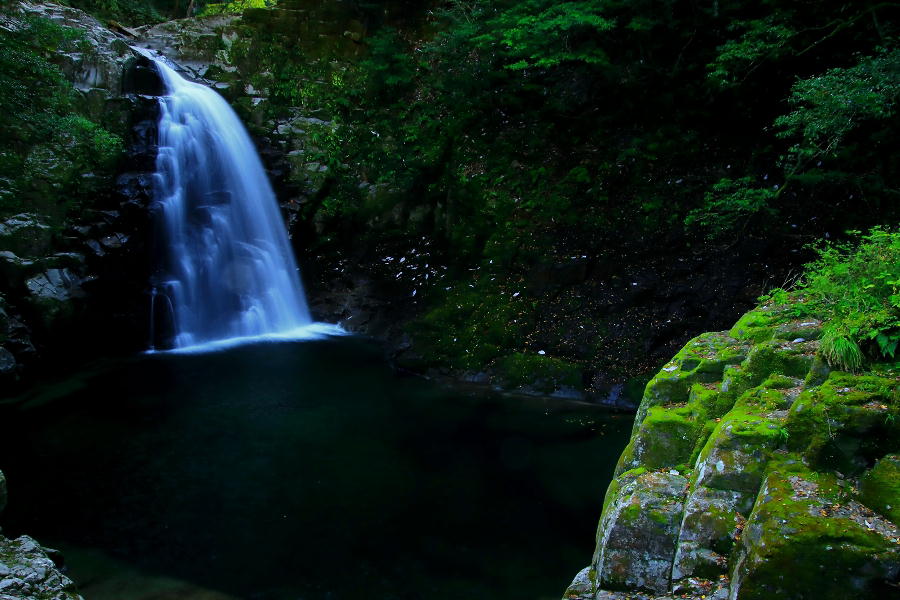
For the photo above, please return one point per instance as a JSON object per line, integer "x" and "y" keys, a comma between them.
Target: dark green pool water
{"x": 308, "y": 470}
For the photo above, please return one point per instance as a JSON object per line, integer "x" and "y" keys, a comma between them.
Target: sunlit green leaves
{"x": 539, "y": 33}
{"x": 855, "y": 288}
{"x": 234, "y": 7}
{"x": 757, "y": 40}
{"x": 829, "y": 106}
{"x": 730, "y": 203}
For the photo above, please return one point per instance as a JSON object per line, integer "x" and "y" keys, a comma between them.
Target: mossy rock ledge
{"x": 754, "y": 471}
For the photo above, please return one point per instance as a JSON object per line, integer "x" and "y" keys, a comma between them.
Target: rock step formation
{"x": 754, "y": 471}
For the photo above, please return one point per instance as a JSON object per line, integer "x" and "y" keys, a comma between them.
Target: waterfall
{"x": 225, "y": 264}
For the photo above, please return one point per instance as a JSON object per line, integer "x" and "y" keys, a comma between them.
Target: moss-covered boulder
{"x": 846, "y": 423}
{"x": 712, "y": 521}
{"x": 880, "y": 487}
{"x": 638, "y": 533}
{"x": 702, "y": 360}
{"x": 754, "y": 471}
{"x": 666, "y": 439}
{"x": 53, "y": 294}
{"x": 807, "y": 541}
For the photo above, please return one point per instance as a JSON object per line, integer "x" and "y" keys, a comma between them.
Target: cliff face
{"x": 754, "y": 471}
{"x": 73, "y": 238}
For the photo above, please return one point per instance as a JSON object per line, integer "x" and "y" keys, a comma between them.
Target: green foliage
{"x": 544, "y": 373}
{"x": 51, "y": 158}
{"x": 759, "y": 39}
{"x": 829, "y": 106}
{"x": 29, "y": 83}
{"x": 856, "y": 290}
{"x": 473, "y": 327}
{"x": 389, "y": 68}
{"x": 840, "y": 351}
{"x": 521, "y": 134}
{"x": 835, "y": 123}
{"x": 538, "y": 33}
{"x": 234, "y": 7}
{"x": 129, "y": 12}
{"x": 730, "y": 204}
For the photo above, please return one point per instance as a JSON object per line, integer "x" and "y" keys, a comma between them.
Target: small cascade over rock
{"x": 225, "y": 266}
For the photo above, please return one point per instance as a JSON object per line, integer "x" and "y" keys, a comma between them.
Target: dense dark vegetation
{"x": 578, "y": 171}
{"x": 53, "y": 159}
{"x": 543, "y": 144}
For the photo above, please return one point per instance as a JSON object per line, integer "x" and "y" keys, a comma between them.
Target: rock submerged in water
{"x": 754, "y": 472}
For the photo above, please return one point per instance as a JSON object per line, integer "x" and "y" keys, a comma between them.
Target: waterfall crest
{"x": 226, "y": 270}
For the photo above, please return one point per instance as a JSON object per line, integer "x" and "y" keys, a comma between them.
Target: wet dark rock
{"x": 7, "y": 362}
{"x": 26, "y": 235}
{"x": 27, "y": 572}
{"x": 15, "y": 270}
{"x": 143, "y": 78}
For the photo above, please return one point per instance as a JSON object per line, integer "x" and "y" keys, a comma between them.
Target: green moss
{"x": 702, "y": 360}
{"x": 666, "y": 438}
{"x": 818, "y": 373}
{"x": 659, "y": 517}
{"x": 543, "y": 373}
{"x": 633, "y": 473}
{"x": 702, "y": 438}
{"x": 779, "y": 382}
{"x": 704, "y": 397}
{"x": 467, "y": 328}
{"x": 807, "y": 329}
{"x": 828, "y": 555}
{"x": 773, "y": 358}
{"x": 880, "y": 487}
{"x": 737, "y": 451}
{"x": 761, "y": 399}
{"x": 616, "y": 484}
{"x": 847, "y": 422}
{"x": 609, "y": 497}
{"x": 759, "y": 324}
{"x": 630, "y": 513}
{"x": 749, "y": 425}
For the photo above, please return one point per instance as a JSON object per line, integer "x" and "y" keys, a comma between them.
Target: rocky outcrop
{"x": 80, "y": 280}
{"x": 220, "y": 51}
{"x": 753, "y": 472}
{"x": 95, "y": 66}
{"x": 26, "y": 569}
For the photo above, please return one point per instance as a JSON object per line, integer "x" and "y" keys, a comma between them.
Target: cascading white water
{"x": 227, "y": 270}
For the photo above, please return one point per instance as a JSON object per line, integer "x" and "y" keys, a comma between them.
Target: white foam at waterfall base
{"x": 226, "y": 268}
{"x": 313, "y": 331}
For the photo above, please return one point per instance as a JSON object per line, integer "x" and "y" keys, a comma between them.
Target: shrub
{"x": 855, "y": 289}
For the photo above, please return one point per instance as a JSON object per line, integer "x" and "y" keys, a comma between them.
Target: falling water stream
{"x": 226, "y": 270}
{"x": 294, "y": 470}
